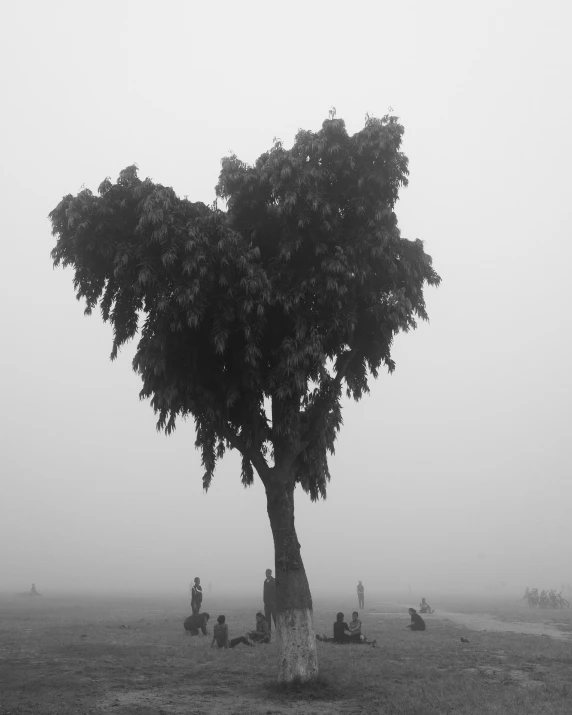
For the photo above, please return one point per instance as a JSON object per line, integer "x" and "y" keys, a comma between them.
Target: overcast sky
{"x": 456, "y": 471}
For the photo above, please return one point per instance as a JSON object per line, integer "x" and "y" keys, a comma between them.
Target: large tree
{"x": 255, "y": 319}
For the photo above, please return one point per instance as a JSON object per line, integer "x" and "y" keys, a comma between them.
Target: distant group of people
{"x": 352, "y": 632}
{"x": 198, "y": 622}
{"x": 260, "y": 634}
{"x": 262, "y": 631}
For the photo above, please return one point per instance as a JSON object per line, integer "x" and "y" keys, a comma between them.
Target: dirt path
{"x": 486, "y": 622}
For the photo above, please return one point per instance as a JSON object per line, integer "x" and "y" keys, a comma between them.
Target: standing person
{"x": 196, "y": 596}
{"x": 269, "y": 598}
{"x": 360, "y": 591}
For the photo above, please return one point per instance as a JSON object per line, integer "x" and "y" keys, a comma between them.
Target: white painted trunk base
{"x": 297, "y": 645}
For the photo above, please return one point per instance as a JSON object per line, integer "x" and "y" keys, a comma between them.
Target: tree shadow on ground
{"x": 323, "y": 688}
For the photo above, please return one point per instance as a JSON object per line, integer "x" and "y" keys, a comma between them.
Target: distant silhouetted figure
{"x": 196, "y": 596}
{"x": 33, "y": 591}
{"x": 424, "y": 607}
{"x": 360, "y": 594}
{"x": 269, "y": 598}
{"x": 464, "y": 640}
{"x": 417, "y": 623}
{"x": 196, "y": 621}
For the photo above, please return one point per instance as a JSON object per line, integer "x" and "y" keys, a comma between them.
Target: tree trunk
{"x": 297, "y": 643}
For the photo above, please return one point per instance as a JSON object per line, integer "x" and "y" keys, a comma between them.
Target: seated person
{"x": 354, "y": 628}
{"x": 220, "y": 633}
{"x": 262, "y": 632}
{"x": 341, "y": 630}
{"x": 344, "y": 633}
{"x": 260, "y": 635}
{"x": 424, "y": 607}
{"x": 417, "y": 623}
{"x": 196, "y": 621}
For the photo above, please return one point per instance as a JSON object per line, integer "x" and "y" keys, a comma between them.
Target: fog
{"x": 455, "y": 472}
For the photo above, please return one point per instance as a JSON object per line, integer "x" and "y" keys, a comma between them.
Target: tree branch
{"x": 342, "y": 372}
{"x": 255, "y": 455}
{"x": 318, "y": 424}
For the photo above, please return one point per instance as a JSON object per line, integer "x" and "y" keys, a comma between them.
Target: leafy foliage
{"x": 299, "y": 287}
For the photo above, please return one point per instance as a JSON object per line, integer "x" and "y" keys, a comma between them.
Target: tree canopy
{"x": 255, "y": 319}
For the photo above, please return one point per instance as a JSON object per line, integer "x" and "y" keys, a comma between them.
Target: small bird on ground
{"x": 464, "y": 640}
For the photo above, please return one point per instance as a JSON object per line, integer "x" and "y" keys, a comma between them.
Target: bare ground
{"x": 487, "y": 622}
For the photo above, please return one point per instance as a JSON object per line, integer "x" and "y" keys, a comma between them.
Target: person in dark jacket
{"x": 417, "y": 623}
{"x": 341, "y": 630}
{"x": 269, "y": 598}
{"x": 196, "y": 621}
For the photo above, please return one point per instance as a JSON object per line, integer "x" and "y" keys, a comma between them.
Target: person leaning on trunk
{"x": 269, "y": 598}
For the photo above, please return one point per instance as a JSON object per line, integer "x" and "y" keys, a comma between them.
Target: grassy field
{"x": 73, "y": 656}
